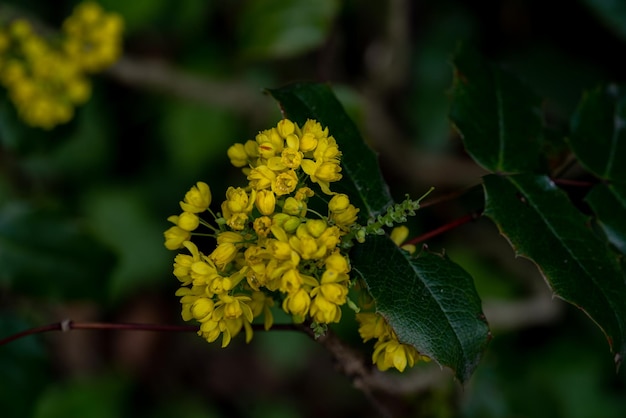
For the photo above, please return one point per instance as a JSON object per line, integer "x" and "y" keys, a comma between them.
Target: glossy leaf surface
{"x": 542, "y": 225}
{"x": 429, "y": 300}
{"x": 496, "y": 115}
{"x": 609, "y": 205}
{"x": 599, "y": 133}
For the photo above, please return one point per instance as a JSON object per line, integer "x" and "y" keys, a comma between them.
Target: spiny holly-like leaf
{"x": 430, "y": 302}
{"x": 609, "y": 204}
{"x": 541, "y": 224}
{"x": 599, "y": 133}
{"x": 496, "y": 115}
{"x": 363, "y": 180}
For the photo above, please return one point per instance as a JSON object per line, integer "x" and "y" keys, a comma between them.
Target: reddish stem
{"x": 68, "y": 325}
{"x": 444, "y": 228}
{"x": 574, "y": 183}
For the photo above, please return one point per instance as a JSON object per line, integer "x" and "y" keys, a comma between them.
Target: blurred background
{"x": 83, "y": 206}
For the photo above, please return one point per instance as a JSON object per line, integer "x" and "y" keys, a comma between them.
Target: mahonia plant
{"x": 47, "y": 78}
{"x": 273, "y": 248}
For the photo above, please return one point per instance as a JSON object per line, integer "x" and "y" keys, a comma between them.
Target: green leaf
{"x": 609, "y": 204}
{"x": 281, "y": 28}
{"x": 45, "y": 253}
{"x": 598, "y": 136}
{"x": 430, "y": 302}
{"x": 542, "y": 225}
{"x": 612, "y": 13}
{"x": 496, "y": 115}
{"x": 363, "y": 180}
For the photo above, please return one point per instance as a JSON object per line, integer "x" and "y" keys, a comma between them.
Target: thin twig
{"x": 444, "y": 228}
{"x": 68, "y": 325}
{"x": 573, "y": 183}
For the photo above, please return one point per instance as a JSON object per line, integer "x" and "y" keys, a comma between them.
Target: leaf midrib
{"x": 550, "y": 227}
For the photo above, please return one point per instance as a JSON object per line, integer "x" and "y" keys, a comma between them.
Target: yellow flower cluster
{"x": 388, "y": 350}
{"x": 47, "y": 79}
{"x": 269, "y": 244}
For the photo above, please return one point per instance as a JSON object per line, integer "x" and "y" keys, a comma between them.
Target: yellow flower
{"x": 334, "y": 292}
{"x": 329, "y": 238}
{"x": 304, "y": 193}
{"x": 337, "y": 262}
{"x": 261, "y": 177}
{"x": 307, "y": 247}
{"x": 202, "y": 309}
{"x": 285, "y": 183}
{"x": 197, "y": 199}
{"x": 291, "y": 281}
{"x": 285, "y": 127}
{"x": 294, "y": 207}
{"x": 399, "y": 235}
{"x": 261, "y": 304}
{"x": 322, "y": 173}
{"x": 202, "y": 273}
{"x": 270, "y": 143}
{"x": 188, "y": 221}
{"x": 237, "y": 201}
{"x": 175, "y": 236}
{"x": 265, "y": 202}
{"x": 291, "y": 158}
{"x": 238, "y": 156}
{"x": 233, "y": 307}
{"x": 237, "y": 206}
{"x": 327, "y": 151}
{"x": 392, "y": 353}
{"x": 297, "y": 303}
{"x": 262, "y": 225}
{"x": 182, "y": 265}
{"x": 308, "y": 142}
{"x": 372, "y": 325}
{"x": 323, "y": 310}
{"x": 237, "y": 221}
{"x": 187, "y": 299}
{"x": 223, "y": 254}
{"x": 229, "y": 236}
{"x": 342, "y": 212}
{"x": 280, "y": 250}
{"x": 312, "y": 132}
{"x": 339, "y": 203}
{"x": 315, "y": 227}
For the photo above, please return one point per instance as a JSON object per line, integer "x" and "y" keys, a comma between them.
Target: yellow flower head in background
{"x": 47, "y": 78}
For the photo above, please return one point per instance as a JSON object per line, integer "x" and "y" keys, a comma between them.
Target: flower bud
{"x": 238, "y": 156}
{"x": 265, "y": 202}
{"x": 188, "y": 221}
{"x": 339, "y": 203}
{"x": 285, "y": 128}
{"x": 294, "y": 207}
{"x": 223, "y": 254}
{"x": 316, "y": 227}
{"x": 197, "y": 199}
{"x": 175, "y": 236}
